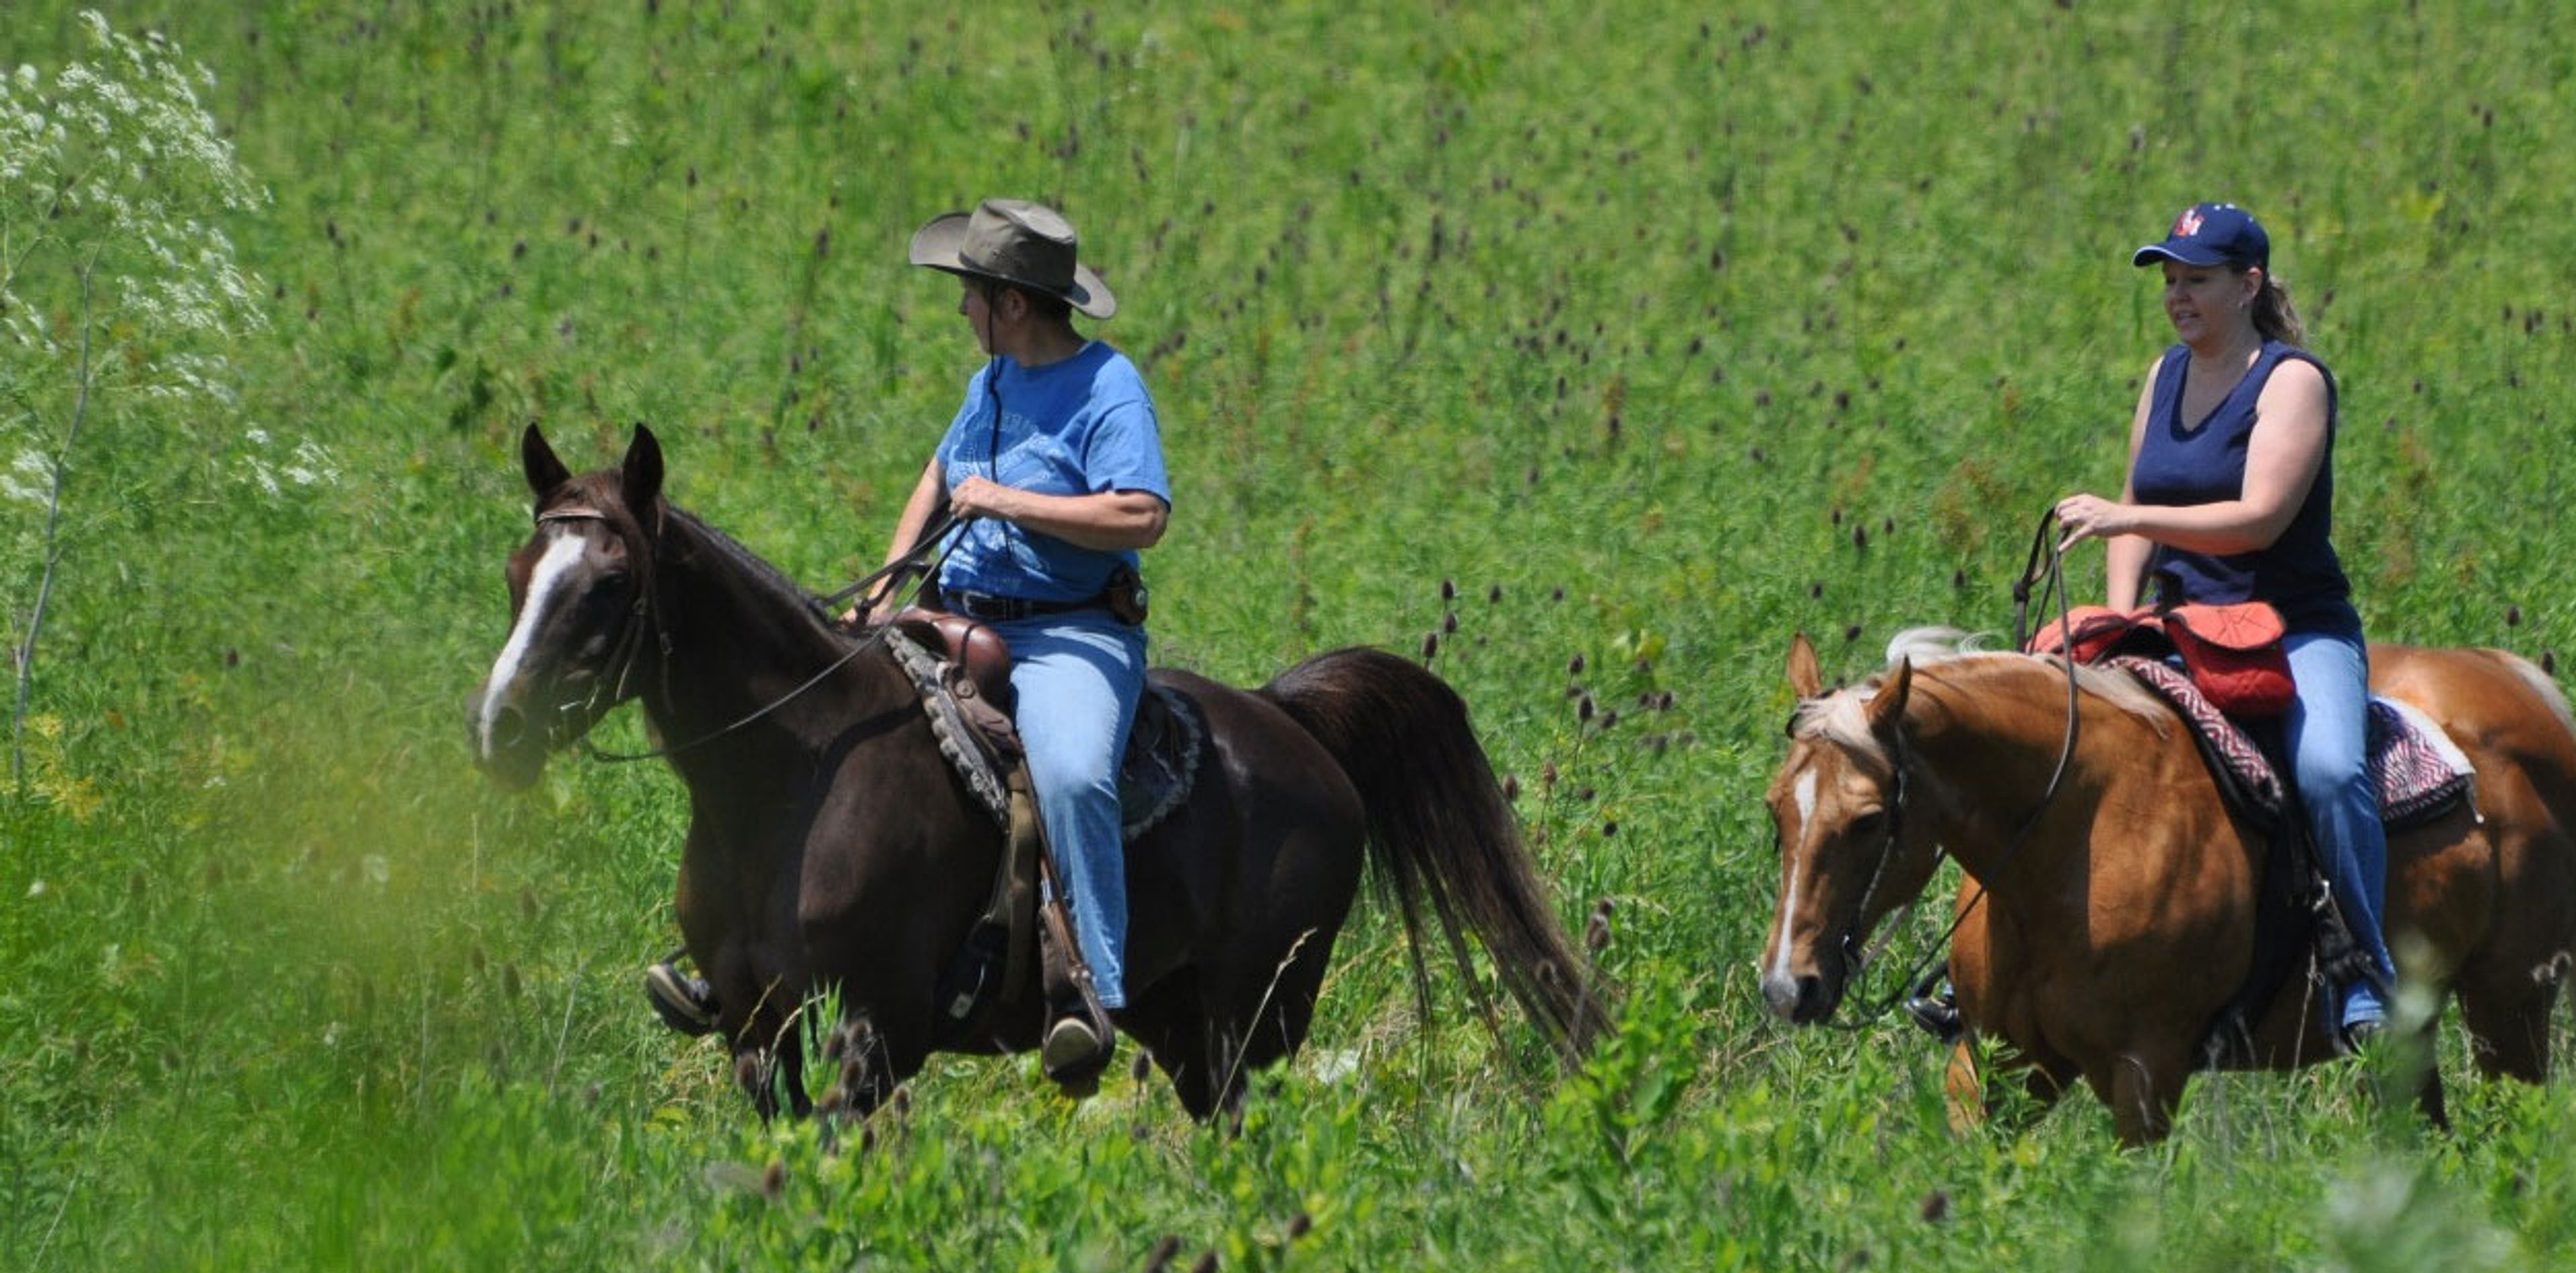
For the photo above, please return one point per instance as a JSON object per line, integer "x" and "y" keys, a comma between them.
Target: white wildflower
{"x": 262, "y": 476}
{"x": 29, "y": 478}
{"x": 312, "y": 465}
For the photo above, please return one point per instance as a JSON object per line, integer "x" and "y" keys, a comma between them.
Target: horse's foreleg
{"x": 791, "y": 1074}
{"x": 1225, "y": 1062}
{"x": 2507, "y": 1015}
{"x": 2144, "y": 1088}
{"x": 755, "y": 1071}
{"x": 2428, "y": 1094}
{"x": 1965, "y": 1088}
{"x": 867, "y": 1076}
{"x": 1975, "y": 1096}
{"x": 1167, "y": 1018}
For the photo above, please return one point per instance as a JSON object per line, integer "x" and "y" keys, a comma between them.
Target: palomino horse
{"x": 830, "y": 844}
{"x": 2117, "y": 919}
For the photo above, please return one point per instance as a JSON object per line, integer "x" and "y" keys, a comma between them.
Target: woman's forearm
{"x": 2224, "y": 526}
{"x": 926, "y": 495}
{"x": 1109, "y": 521}
{"x": 2125, "y": 569}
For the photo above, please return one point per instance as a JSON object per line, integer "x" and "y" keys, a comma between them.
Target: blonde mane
{"x": 1841, "y": 717}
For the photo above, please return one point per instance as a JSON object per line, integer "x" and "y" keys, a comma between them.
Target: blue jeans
{"x": 2326, "y": 734}
{"x": 1077, "y": 678}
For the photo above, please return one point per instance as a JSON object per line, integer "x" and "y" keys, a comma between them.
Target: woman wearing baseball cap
{"x": 2230, "y": 497}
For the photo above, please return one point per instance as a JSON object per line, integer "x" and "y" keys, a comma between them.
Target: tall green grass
{"x": 1654, "y": 334}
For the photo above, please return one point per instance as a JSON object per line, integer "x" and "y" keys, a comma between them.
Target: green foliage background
{"x": 1658, "y": 332}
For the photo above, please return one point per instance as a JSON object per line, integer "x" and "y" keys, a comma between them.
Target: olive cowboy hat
{"x": 1018, "y": 242}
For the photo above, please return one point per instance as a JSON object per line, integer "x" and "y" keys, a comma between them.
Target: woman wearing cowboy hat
{"x": 1053, "y": 468}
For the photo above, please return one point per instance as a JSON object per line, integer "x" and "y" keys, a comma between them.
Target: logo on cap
{"x": 2188, "y": 224}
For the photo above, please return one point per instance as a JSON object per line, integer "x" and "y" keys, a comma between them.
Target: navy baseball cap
{"x": 2211, "y": 234}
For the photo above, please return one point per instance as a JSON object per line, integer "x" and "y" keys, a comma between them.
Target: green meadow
{"x": 1593, "y": 350}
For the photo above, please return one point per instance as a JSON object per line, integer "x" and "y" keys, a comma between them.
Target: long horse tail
{"x": 1441, "y": 830}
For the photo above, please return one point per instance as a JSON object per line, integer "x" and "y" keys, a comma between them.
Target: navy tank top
{"x": 2180, "y": 463}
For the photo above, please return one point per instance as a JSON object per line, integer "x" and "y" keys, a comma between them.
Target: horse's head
{"x": 1837, "y": 810}
{"x": 579, "y": 602}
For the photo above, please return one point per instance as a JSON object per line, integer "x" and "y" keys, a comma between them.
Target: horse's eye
{"x": 1873, "y": 822}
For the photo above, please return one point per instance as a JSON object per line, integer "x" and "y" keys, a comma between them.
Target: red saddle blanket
{"x": 2419, "y": 771}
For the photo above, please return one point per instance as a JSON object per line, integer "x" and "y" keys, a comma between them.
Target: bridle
{"x": 2043, "y": 553}
{"x": 647, "y": 613}
{"x": 640, "y": 617}
{"x": 1854, "y": 957}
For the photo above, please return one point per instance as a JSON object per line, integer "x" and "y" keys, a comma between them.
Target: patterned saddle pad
{"x": 2420, "y": 772}
{"x": 1155, "y": 774}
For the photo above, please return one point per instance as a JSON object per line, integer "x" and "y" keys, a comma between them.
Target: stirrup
{"x": 1936, "y": 1010}
{"x": 685, "y": 1003}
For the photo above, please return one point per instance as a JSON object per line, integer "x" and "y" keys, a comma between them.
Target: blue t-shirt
{"x": 1083, "y": 425}
{"x": 2180, "y": 464}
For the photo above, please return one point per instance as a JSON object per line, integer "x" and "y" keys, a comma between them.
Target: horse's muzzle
{"x": 1801, "y": 999}
{"x": 1804, "y": 998}
{"x": 504, "y": 745}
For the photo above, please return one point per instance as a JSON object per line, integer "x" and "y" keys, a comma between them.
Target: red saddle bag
{"x": 2233, "y": 652}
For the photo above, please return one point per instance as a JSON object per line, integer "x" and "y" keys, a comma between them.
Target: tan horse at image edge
{"x": 2119, "y": 924}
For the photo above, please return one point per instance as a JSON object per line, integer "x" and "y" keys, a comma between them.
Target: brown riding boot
{"x": 686, "y": 1003}
{"x": 1079, "y": 1039}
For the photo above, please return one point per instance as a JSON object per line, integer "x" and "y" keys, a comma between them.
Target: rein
{"x": 648, "y": 608}
{"x": 910, "y": 561}
{"x": 2043, "y": 543}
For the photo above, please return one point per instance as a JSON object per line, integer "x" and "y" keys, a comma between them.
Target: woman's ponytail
{"x": 2274, "y": 317}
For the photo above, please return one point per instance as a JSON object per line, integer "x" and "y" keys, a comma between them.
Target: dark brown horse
{"x": 830, "y": 845}
{"x": 2115, "y": 929}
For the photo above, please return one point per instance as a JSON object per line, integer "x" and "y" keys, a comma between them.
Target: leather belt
{"x": 987, "y": 608}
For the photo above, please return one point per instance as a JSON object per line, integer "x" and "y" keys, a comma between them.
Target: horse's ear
{"x": 1887, "y": 706}
{"x": 642, "y": 478}
{"x": 545, "y": 472}
{"x": 1804, "y": 675}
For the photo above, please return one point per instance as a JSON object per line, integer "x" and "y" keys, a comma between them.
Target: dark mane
{"x": 605, "y": 491}
{"x": 743, "y": 560}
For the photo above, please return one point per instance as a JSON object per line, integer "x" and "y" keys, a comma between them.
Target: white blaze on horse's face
{"x": 1828, "y": 811}
{"x": 1803, "y": 793}
{"x": 545, "y": 586}
{"x": 572, "y": 605}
